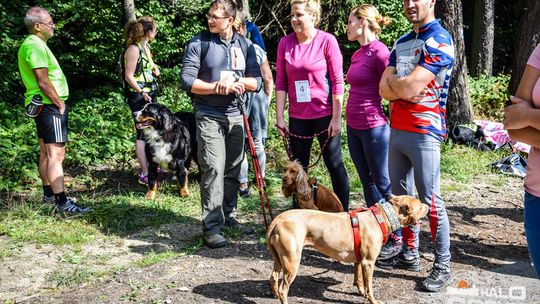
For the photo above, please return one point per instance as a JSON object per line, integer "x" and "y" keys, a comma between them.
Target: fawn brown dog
{"x": 332, "y": 235}
{"x": 296, "y": 182}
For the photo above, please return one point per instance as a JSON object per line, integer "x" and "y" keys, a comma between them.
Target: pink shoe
{"x": 143, "y": 179}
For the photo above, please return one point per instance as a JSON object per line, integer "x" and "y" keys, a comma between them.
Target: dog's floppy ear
{"x": 164, "y": 118}
{"x": 411, "y": 210}
{"x": 302, "y": 185}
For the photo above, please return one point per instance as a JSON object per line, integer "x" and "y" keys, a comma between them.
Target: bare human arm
{"x": 385, "y": 90}
{"x": 45, "y": 85}
{"x": 334, "y": 128}
{"x": 521, "y": 119}
{"x": 266, "y": 74}
{"x": 132, "y": 56}
{"x": 281, "y": 98}
{"x": 412, "y": 87}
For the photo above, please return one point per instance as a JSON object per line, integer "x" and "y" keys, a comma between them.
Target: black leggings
{"x": 333, "y": 159}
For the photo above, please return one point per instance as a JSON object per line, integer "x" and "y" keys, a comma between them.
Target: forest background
{"x": 497, "y": 36}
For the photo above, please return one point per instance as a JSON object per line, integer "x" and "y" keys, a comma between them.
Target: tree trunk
{"x": 129, "y": 10}
{"x": 458, "y": 107}
{"x": 483, "y": 37}
{"x": 529, "y": 37}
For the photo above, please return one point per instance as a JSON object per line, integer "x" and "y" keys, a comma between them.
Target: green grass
{"x": 74, "y": 277}
{"x": 462, "y": 164}
{"x": 30, "y": 222}
{"x": 156, "y": 257}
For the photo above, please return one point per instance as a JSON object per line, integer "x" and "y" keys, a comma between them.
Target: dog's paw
{"x": 150, "y": 195}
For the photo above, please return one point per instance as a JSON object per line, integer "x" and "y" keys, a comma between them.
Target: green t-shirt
{"x": 34, "y": 53}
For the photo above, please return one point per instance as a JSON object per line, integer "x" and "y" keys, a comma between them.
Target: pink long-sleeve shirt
{"x": 364, "y": 109}
{"x": 532, "y": 180}
{"x": 303, "y": 71}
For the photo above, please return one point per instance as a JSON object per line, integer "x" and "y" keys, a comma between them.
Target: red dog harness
{"x": 356, "y": 231}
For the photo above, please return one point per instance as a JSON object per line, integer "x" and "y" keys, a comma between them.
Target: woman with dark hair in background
{"x": 140, "y": 74}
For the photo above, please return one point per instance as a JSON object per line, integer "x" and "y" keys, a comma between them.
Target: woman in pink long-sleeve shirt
{"x": 310, "y": 74}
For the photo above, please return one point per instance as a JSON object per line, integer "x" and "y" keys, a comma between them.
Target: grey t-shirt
{"x": 220, "y": 60}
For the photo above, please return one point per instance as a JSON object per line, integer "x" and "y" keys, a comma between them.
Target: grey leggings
{"x": 422, "y": 152}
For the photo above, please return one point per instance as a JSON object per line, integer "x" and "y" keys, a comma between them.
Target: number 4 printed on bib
{"x": 302, "y": 91}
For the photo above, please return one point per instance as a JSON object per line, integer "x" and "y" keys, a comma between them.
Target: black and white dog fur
{"x": 170, "y": 144}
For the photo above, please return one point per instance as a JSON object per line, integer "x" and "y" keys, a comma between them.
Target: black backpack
{"x": 121, "y": 67}
{"x": 471, "y": 135}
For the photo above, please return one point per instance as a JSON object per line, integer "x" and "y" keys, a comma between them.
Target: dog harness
{"x": 355, "y": 224}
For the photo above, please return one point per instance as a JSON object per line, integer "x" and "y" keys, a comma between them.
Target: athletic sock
{"x": 47, "y": 190}
{"x": 60, "y": 198}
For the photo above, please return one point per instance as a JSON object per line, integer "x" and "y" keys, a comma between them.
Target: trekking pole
{"x": 261, "y": 184}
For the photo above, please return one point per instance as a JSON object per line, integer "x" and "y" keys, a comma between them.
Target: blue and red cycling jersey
{"x": 432, "y": 48}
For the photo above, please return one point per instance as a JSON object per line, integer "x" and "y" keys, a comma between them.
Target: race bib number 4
{"x": 302, "y": 91}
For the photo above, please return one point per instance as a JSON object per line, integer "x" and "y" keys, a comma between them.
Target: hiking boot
{"x": 70, "y": 207}
{"x": 437, "y": 279}
{"x": 407, "y": 259}
{"x": 233, "y": 223}
{"x": 244, "y": 193}
{"x": 390, "y": 249}
{"x": 215, "y": 240}
{"x": 143, "y": 179}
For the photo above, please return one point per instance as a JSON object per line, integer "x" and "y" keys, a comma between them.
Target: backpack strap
{"x": 243, "y": 46}
{"x": 205, "y": 44}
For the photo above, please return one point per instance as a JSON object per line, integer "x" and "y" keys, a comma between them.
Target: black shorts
{"x": 136, "y": 103}
{"x": 52, "y": 126}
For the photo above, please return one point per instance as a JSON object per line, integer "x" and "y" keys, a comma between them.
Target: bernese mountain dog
{"x": 171, "y": 144}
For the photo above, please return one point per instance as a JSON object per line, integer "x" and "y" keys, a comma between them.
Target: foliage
{"x": 488, "y": 95}
{"x": 273, "y": 20}
{"x": 89, "y": 37}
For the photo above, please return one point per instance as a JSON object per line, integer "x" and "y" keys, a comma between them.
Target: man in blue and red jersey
{"x": 416, "y": 82}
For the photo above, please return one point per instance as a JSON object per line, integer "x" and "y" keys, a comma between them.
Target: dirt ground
{"x": 489, "y": 254}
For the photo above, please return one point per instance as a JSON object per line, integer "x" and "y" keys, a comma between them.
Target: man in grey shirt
{"x": 216, "y": 71}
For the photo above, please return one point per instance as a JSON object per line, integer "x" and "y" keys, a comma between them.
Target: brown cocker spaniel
{"x": 295, "y": 182}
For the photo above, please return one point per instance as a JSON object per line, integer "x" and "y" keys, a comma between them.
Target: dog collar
{"x": 387, "y": 208}
{"x": 315, "y": 188}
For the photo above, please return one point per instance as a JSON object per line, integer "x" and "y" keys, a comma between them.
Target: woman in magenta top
{"x": 522, "y": 119}
{"x": 368, "y": 132}
{"x": 367, "y": 126}
{"x": 309, "y": 73}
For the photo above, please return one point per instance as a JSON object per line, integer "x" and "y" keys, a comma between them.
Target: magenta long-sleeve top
{"x": 304, "y": 72}
{"x": 364, "y": 109}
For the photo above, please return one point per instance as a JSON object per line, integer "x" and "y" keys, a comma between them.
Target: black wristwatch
{"x": 236, "y": 77}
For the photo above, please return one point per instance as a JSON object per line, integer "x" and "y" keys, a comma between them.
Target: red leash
{"x": 259, "y": 178}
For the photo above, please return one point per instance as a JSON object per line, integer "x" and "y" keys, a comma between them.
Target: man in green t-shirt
{"x": 42, "y": 75}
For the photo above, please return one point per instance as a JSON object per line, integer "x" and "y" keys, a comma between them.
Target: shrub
{"x": 488, "y": 95}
